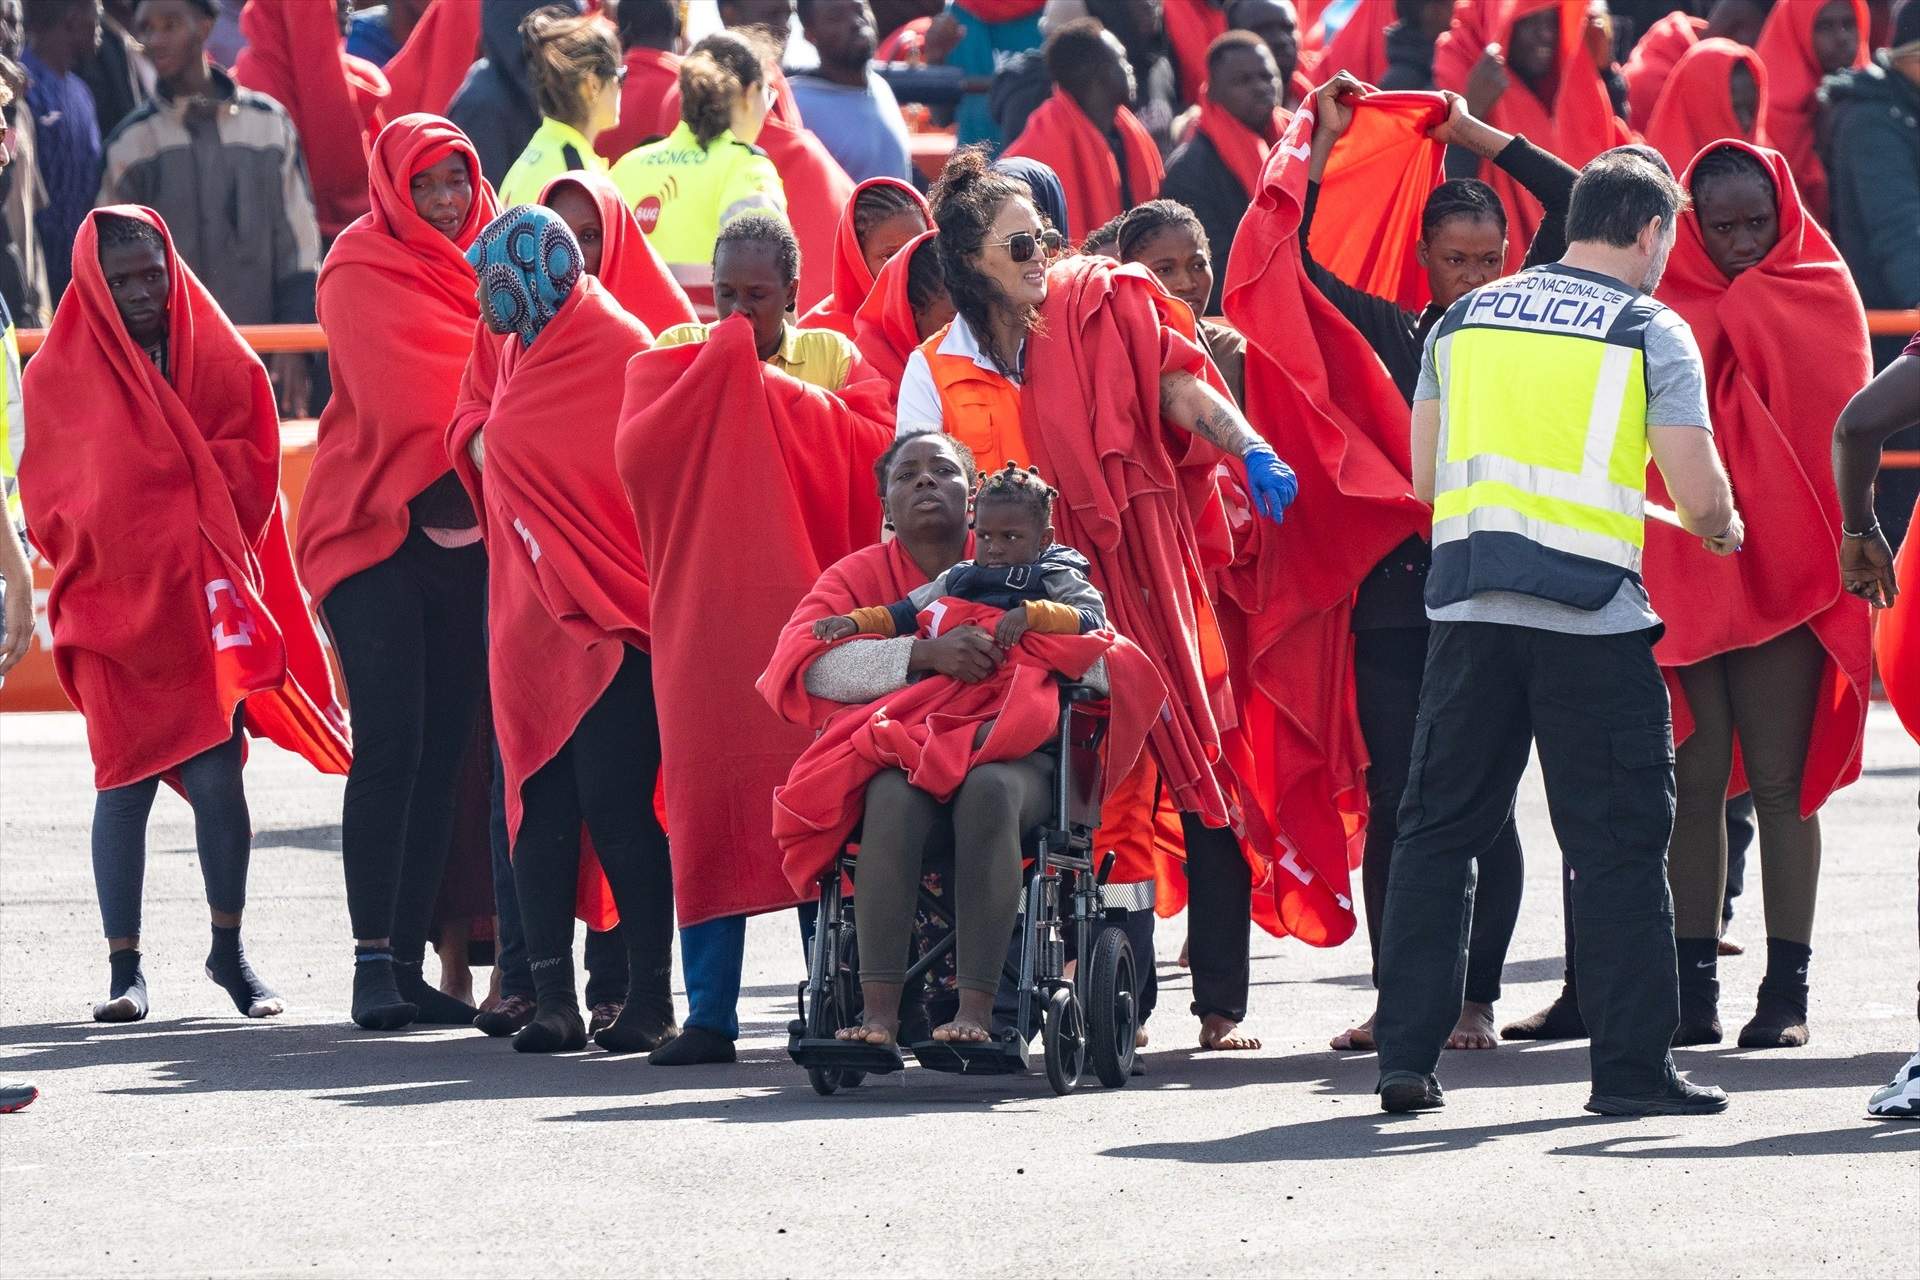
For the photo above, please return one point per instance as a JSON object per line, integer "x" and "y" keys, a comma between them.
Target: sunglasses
{"x": 1022, "y": 244}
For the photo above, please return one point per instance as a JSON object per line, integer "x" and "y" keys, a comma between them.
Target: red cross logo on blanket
{"x": 233, "y": 624}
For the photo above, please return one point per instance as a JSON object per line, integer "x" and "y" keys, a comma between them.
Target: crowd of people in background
{"x": 663, "y": 337}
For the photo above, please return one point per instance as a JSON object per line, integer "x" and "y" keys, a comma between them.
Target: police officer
{"x": 1540, "y": 398}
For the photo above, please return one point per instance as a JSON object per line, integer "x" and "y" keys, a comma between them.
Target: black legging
{"x": 221, "y": 832}
{"x": 409, "y": 631}
{"x": 1388, "y": 665}
{"x": 603, "y": 776}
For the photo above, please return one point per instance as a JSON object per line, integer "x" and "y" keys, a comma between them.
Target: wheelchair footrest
{"x": 1004, "y": 1055}
{"x": 846, "y": 1055}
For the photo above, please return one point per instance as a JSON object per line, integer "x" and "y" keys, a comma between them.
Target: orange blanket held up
{"x": 744, "y": 484}
{"x": 1061, "y": 136}
{"x": 1575, "y": 121}
{"x": 296, "y": 55}
{"x": 156, "y": 499}
{"x": 1774, "y": 402}
{"x": 398, "y": 301}
{"x": 1330, "y": 410}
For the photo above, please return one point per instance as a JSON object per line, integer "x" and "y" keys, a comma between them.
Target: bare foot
{"x": 1730, "y": 948}
{"x": 1140, "y": 1038}
{"x": 871, "y": 1032}
{"x": 1223, "y": 1035}
{"x": 1475, "y": 1028}
{"x": 1183, "y": 953}
{"x": 1355, "y": 1039}
{"x": 962, "y": 1031}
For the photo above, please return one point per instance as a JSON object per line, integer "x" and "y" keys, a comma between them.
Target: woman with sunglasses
{"x": 708, "y": 171}
{"x": 1113, "y": 361}
{"x": 576, "y": 71}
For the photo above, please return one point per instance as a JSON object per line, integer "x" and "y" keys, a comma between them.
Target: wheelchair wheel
{"x": 838, "y": 1007}
{"x": 1065, "y": 1039}
{"x": 1112, "y": 1017}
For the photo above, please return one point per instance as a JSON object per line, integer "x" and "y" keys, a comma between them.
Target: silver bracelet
{"x": 1871, "y": 530}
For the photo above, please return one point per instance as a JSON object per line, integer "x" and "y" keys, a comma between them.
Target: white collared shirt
{"x": 919, "y": 405}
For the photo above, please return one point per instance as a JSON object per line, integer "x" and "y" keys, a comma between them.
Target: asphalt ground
{"x": 197, "y": 1143}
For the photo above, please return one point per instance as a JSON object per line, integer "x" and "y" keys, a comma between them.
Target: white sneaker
{"x": 1899, "y": 1098}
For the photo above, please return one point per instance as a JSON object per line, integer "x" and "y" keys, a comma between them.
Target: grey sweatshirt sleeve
{"x": 860, "y": 671}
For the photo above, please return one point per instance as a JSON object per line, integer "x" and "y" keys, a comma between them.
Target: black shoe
{"x": 127, "y": 991}
{"x": 602, "y": 1015}
{"x": 1560, "y": 1020}
{"x": 1678, "y": 1099}
{"x": 694, "y": 1046}
{"x": 1404, "y": 1091}
{"x": 377, "y": 1005}
{"x": 506, "y": 1017}
{"x": 556, "y": 1025}
{"x": 1779, "y": 1020}
{"x": 437, "y": 1008}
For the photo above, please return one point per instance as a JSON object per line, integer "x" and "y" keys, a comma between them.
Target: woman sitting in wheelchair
{"x": 949, "y": 716}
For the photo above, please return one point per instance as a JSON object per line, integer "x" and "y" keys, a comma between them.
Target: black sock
{"x": 377, "y": 1005}
{"x": 694, "y": 1045}
{"x": 227, "y": 965}
{"x": 435, "y": 1005}
{"x": 1699, "y": 960}
{"x": 127, "y": 991}
{"x": 1787, "y": 964}
{"x": 556, "y": 1025}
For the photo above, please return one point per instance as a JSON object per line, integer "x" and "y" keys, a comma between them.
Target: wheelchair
{"x": 1090, "y": 1018}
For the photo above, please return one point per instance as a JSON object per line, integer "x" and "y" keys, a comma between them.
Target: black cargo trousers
{"x": 1597, "y": 710}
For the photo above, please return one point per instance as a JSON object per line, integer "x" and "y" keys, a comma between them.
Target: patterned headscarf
{"x": 528, "y": 262}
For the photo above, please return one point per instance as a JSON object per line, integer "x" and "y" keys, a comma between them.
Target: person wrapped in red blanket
{"x": 907, "y": 305}
{"x": 1093, "y": 373}
{"x": 296, "y": 54}
{"x": 439, "y": 52}
{"x": 572, "y": 685}
{"x": 884, "y": 215}
{"x": 1540, "y": 81}
{"x": 1717, "y": 90}
{"x": 153, "y": 491}
{"x": 1804, "y": 42}
{"x": 972, "y": 743}
{"x": 1762, "y": 649}
{"x": 734, "y": 469}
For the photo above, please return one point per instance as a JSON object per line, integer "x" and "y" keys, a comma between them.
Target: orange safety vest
{"x": 979, "y": 408}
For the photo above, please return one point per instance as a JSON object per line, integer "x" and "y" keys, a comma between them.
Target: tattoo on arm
{"x": 1214, "y": 419}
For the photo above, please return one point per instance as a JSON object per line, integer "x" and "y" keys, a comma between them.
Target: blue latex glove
{"x": 1272, "y": 482}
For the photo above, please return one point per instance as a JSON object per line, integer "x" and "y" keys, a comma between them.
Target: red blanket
{"x": 1332, "y": 413}
{"x": 1191, "y": 27}
{"x": 817, "y": 189}
{"x": 884, "y": 328}
{"x": 852, "y": 281}
{"x": 566, "y": 588}
{"x": 157, "y": 503}
{"x": 1896, "y": 638}
{"x": 1061, "y": 136}
{"x": 1653, "y": 60}
{"x": 1696, "y": 107}
{"x": 1575, "y": 122}
{"x": 1793, "y": 83}
{"x": 744, "y": 483}
{"x": 631, "y": 269}
{"x": 296, "y": 56}
{"x": 1775, "y": 392}
{"x": 653, "y": 75}
{"x": 398, "y": 302}
{"x": 1376, "y": 185}
{"x": 1242, "y": 150}
{"x": 1361, "y": 45}
{"x": 928, "y": 730}
{"x": 440, "y": 50}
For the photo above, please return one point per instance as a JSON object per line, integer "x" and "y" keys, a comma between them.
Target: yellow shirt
{"x": 683, "y": 193}
{"x": 555, "y": 148}
{"x": 818, "y": 356}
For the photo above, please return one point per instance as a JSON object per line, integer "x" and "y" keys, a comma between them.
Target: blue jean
{"x": 713, "y": 953}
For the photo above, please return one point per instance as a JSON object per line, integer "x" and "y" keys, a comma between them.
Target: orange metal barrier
{"x": 1893, "y": 324}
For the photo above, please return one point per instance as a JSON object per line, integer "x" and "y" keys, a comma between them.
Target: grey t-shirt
{"x": 1676, "y": 397}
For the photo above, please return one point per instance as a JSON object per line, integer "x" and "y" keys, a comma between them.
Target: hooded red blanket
{"x": 1793, "y": 83}
{"x": 1361, "y": 45}
{"x": 653, "y": 76}
{"x": 1654, "y": 58}
{"x": 1061, "y": 136}
{"x": 156, "y": 500}
{"x": 427, "y": 71}
{"x": 296, "y": 55}
{"x": 566, "y": 588}
{"x": 1696, "y": 106}
{"x": 1332, "y": 413}
{"x": 1191, "y": 27}
{"x": 744, "y": 483}
{"x": 1575, "y": 121}
{"x": 1774, "y": 404}
{"x": 928, "y": 729}
{"x": 631, "y": 269}
{"x": 884, "y": 328}
{"x": 398, "y": 301}
{"x": 852, "y": 281}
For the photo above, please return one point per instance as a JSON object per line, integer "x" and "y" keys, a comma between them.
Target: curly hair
{"x": 1725, "y": 162}
{"x": 966, "y": 200}
{"x": 1022, "y": 487}
{"x": 769, "y": 229}
{"x": 1145, "y": 221}
{"x": 115, "y": 229}
{"x": 884, "y": 463}
{"x": 1104, "y": 240}
{"x": 713, "y": 76}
